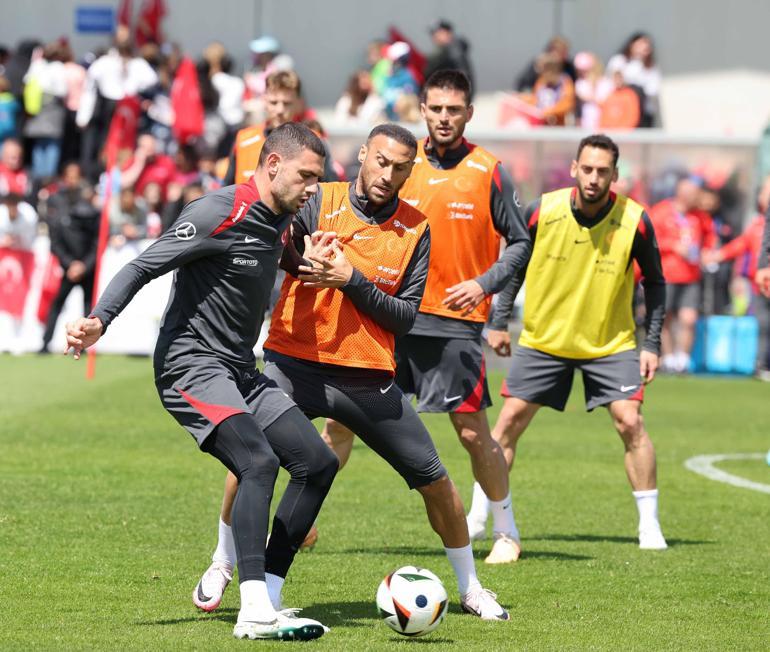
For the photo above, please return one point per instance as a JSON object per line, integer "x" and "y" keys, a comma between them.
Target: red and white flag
{"x": 16, "y": 267}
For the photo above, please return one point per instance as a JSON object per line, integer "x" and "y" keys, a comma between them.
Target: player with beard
{"x": 331, "y": 347}
{"x": 470, "y": 202}
{"x": 578, "y": 315}
{"x": 225, "y": 248}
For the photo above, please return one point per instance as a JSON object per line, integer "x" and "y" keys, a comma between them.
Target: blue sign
{"x": 94, "y": 20}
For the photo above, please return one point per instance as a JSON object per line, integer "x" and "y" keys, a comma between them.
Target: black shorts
{"x": 446, "y": 374}
{"x": 205, "y": 391}
{"x": 368, "y": 403}
{"x": 546, "y": 379}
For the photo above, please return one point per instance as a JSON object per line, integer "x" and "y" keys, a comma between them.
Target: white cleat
{"x": 482, "y": 602}
{"x": 477, "y": 529}
{"x": 208, "y": 594}
{"x": 651, "y": 538}
{"x": 287, "y": 626}
{"x": 505, "y": 550}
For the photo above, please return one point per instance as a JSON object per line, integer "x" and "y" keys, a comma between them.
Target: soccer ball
{"x": 412, "y": 601}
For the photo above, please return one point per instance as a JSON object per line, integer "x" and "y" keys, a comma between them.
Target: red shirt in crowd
{"x": 15, "y": 181}
{"x": 161, "y": 170}
{"x": 681, "y": 238}
{"x": 746, "y": 248}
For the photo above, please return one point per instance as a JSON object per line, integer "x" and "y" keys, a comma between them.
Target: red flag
{"x": 148, "y": 23}
{"x": 123, "y": 127}
{"x": 417, "y": 60}
{"x": 124, "y": 13}
{"x": 186, "y": 102}
{"x": 52, "y": 276}
{"x": 16, "y": 267}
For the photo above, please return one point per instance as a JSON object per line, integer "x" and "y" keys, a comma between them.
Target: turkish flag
{"x": 417, "y": 59}
{"x": 16, "y": 268}
{"x": 123, "y": 127}
{"x": 52, "y": 277}
{"x": 124, "y": 13}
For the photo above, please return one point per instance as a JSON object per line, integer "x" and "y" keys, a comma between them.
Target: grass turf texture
{"x": 108, "y": 517}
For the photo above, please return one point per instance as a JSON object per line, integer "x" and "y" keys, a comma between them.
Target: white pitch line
{"x": 704, "y": 465}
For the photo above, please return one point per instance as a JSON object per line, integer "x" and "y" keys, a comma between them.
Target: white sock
{"x": 255, "y": 602}
{"x": 479, "y": 505}
{"x": 225, "y": 552}
{"x": 502, "y": 517}
{"x": 464, "y": 568}
{"x": 647, "y": 504}
{"x": 274, "y": 588}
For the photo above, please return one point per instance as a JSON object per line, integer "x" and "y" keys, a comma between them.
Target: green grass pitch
{"x": 108, "y": 516}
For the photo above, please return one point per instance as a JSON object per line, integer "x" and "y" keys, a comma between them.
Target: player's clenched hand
{"x": 464, "y": 296}
{"x": 331, "y": 272}
{"x": 318, "y": 246}
{"x": 762, "y": 279}
{"x": 500, "y": 341}
{"x": 648, "y": 365}
{"x": 81, "y": 334}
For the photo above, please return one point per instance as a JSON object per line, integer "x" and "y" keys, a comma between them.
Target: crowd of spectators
{"x": 166, "y": 125}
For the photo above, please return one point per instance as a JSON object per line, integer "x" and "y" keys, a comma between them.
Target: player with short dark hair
{"x": 331, "y": 342}
{"x": 470, "y": 203}
{"x": 225, "y": 248}
{"x": 578, "y": 315}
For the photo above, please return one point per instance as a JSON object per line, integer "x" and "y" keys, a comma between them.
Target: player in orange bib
{"x": 470, "y": 202}
{"x": 578, "y": 316}
{"x": 331, "y": 348}
{"x": 283, "y": 103}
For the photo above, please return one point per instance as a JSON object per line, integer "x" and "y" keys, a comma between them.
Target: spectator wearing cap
{"x": 400, "y": 81}
{"x": 450, "y": 53}
{"x": 267, "y": 59}
{"x": 683, "y": 232}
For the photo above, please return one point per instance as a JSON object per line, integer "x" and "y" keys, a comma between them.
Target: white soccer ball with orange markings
{"x": 412, "y": 601}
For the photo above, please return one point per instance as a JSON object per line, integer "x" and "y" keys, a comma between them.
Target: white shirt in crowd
{"x": 115, "y": 78}
{"x": 50, "y": 75}
{"x": 18, "y": 233}
{"x": 230, "y": 89}
{"x": 371, "y": 111}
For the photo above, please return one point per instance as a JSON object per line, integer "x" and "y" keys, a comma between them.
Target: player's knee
{"x": 629, "y": 426}
{"x": 336, "y": 434}
{"x": 264, "y": 465}
{"x": 510, "y": 424}
{"x": 688, "y": 317}
{"x": 324, "y": 469}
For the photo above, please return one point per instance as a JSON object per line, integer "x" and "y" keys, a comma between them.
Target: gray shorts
{"x": 682, "y": 295}
{"x": 205, "y": 392}
{"x": 368, "y": 403}
{"x": 546, "y": 379}
{"x": 446, "y": 374}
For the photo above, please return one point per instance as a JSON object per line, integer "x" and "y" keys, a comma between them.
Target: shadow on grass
{"x": 228, "y": 615}
{"x": 603, "y": 538}
{"x": 414, "y": 551}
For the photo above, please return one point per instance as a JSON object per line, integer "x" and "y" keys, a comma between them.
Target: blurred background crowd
{"x": 153, "y": 126}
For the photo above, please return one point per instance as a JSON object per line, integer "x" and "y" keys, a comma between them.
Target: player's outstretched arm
{"x": 81, "y": 334}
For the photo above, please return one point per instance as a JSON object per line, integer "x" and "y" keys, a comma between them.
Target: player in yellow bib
{"x": 578, "y": 315}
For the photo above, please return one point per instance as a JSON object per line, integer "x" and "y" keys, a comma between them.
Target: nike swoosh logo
{"x": 449, "y": 399}
{"x": 433, "y": 182}
{"x": 580, "y": 241}
{"x": 356, "y": 236}
{"x": 627, "y": 388}
{"x": 248, "y": 239}
{"x": 385, "y": 390}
